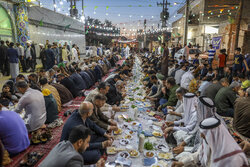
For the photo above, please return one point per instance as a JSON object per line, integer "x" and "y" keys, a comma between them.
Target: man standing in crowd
{"x": 211, "y": 54}
{"x": 74, "y": 53}
{"x": 50, "y": 58}
{"x": 13, "y": 60}
{"x": 29, "y": 55}
{"x": 238, "y": 60}
{"x": 164, "y": 62}
{"x": 20, "y": 51}
{"x": 42, "y": 55}
{"x": 4, "y": 63}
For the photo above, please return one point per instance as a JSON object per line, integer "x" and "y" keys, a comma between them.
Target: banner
{"x": 216, "y": 42}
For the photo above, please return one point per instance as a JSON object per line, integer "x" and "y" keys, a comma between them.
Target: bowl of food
{"x": 124, "y": 154}
{"x": 156, "y": 165}
{"x": 148, "y": 146}
{"x": 134, "y": 153}
{"x": 128, "y": 137}
{"x": 149, "y": 154}
{"x": 157, "y": 134}
{"x": 124, "y": 142}
{"x": 118, "y": 132}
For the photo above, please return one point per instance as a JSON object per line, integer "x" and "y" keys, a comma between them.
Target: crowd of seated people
{"x": 197, "y": 100}
{"x": 39, "y": 98}
{"x": 195, "y": 118}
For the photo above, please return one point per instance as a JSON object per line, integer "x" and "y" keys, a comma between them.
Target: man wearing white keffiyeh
{"x": 191, "y": 141}
{"x": 218, "y": 148}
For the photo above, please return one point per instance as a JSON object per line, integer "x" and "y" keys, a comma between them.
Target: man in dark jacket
{"x": 77, "y": 79}
{"x": 68, "y": 153}
{"x": 68, "y": 83}
{"x": 98, "y": 142}
{"x": 213, "y": 89}
{"x": 112, "y": 95}
{"x": 13, "y": 60}
{"x": 4, "y": 63}
{"x": 98, "y": 117}
{"x": 50, "y": 58}
{"x": 43, "y": 55}
{"x": 85, "y": 77}
{"x": 225, "y": 98}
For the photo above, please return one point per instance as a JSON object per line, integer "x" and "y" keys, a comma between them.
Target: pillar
{"x": 22, "y": 23}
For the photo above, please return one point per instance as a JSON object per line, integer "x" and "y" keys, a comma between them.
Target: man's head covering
{"x": 40, "y": 44}
{"x": 189, "y": 105}
{"x": 234, "y": 84}
{"x": 46, "y": 92}
{"x": 220, "y": 144}
{"x": 160, "y": 76}
{"x": 245, "y": 84}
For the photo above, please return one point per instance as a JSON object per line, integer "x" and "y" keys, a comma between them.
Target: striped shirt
{"x": 211, "y": 53}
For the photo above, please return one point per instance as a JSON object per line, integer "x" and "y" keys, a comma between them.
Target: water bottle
{"x": 139, "y": 130}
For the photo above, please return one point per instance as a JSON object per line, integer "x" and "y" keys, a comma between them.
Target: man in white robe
{"x": 186, "y": 78}
{"x": 190, "y": 118}
{"x": 218, "y": 148}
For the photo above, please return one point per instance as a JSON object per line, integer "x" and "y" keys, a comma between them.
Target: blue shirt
{"x": 13, "y": 132}
{"x": 211, "y": 53}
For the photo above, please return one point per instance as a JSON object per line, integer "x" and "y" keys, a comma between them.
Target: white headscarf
{"x": 189, "y": 104}
{"x": 225, "y": 152}
{"x": 206, "y": 109}
{"x": 186, "y": 78}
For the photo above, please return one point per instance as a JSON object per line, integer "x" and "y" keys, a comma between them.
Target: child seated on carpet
{"x": 7, "y": 94}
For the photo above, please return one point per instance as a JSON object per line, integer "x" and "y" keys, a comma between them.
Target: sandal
{"x": 35, "y": 138}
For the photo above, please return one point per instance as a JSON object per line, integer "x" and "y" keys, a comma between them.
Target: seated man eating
{"x": 98, "y": 117}
{"x": 100, "y": 140}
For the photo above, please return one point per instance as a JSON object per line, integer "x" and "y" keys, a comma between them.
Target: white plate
{"x": 110, "y": 148}
{"x": 156, "y": 132}
{"x": 134, "y": 123}
{"x": 162, "y": 147}
{"x": 124, "y": 142}
{"x": 167, "y": 156}
{"x": 124, "y": 154}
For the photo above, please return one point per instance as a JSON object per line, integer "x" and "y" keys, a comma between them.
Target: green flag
{"x": 129, "y": 5}
{"x": 150, "y": 5}
{"x": 107, "y": 7}
{"x": 41, "y": 22}
{"x": 96, "y": 7}
{"x": 67, "y": 26}
{"x": 84, "y": 7}
{"x": 140, "y": 5}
